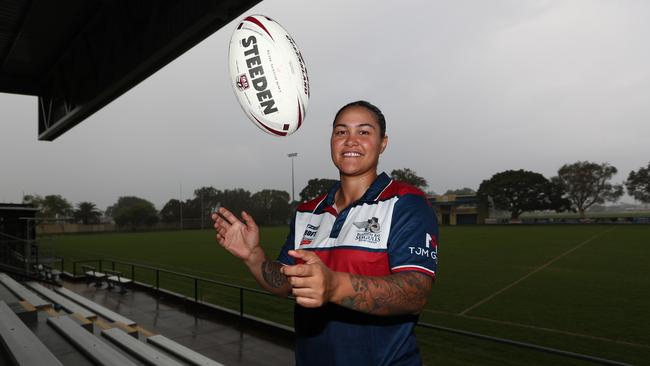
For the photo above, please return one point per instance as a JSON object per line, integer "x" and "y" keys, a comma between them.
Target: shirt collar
{"x": 372, "y": 193}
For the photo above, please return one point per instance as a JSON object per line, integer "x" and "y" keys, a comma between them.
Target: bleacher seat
{"x": 89, "y": 344}
{"x": 67, "y": 304}
{"x": 22, "y": 292}
{"x": 22, "y": 345}
{"x": 94, "y": 307}
{"x": 181, "y": 351}
{"x": 138, "y": 348}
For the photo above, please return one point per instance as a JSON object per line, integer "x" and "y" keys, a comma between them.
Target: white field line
{"x": 529, "y": 326}
{"x": 558, "y": 331}
{"x": 493, "y": 295}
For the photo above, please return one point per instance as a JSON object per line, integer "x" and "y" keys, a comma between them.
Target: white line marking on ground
{"x": 557, "y": 331}
{"x": 529, "y": 326}
{"x": 493, "y": 295}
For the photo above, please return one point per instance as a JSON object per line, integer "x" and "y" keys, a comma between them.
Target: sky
{"x": 468, "y": 88}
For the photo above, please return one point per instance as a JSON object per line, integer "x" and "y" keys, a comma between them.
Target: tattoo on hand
{"x": 399, "y": 293}
{"x": 272, "y": 275}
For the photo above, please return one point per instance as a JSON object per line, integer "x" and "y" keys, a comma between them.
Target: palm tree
{"x": 87, "y": 213}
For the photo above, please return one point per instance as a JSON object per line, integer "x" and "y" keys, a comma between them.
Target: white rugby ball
{"x": 268, "y": 75}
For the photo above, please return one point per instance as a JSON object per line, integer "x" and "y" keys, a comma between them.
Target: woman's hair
{"x": 372, "y": 108}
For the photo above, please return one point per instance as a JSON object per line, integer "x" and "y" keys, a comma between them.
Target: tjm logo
{"x": 428, "y": 251}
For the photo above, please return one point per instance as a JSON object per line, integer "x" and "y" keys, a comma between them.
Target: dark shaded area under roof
{"x": 79, "y": 55}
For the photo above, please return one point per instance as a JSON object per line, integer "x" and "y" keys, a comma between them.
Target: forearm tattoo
{"x": 400, "y": 293}
{"x": 272, "y": 275}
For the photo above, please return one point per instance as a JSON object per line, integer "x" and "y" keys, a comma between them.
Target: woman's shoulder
{"x": 398, "y": 188}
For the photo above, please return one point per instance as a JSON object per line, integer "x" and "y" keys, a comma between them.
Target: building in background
{"x": 454, "y": 209}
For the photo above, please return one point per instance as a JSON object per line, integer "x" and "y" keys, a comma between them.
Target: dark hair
{"x": 370, "y": 107}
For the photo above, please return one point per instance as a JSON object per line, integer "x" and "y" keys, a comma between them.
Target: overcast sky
{"x": 469, "y": 89}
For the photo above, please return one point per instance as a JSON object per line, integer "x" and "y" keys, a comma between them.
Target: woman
{"x": 360, "y": 260}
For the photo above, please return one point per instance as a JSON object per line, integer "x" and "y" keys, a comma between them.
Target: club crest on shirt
{"x": 309, "y": 235}
{"x": 369, "y": 230}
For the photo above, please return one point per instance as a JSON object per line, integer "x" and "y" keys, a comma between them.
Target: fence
{"x": 70, "y": 228}
{"x": 241, "y": 300}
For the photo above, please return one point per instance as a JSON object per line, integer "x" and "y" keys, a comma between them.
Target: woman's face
{"x": 356, "y": 142}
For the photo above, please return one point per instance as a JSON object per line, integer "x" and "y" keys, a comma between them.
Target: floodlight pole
{"x": 293, "y": 192}
{"x": 180, "y": 201}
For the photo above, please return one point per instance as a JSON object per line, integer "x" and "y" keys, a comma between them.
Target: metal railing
{"x": 153, "y": 280}
{"x": 224, "y": 295}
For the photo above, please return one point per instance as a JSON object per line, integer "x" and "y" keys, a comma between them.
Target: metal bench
{"x": 94, "y": 307}
{"x": 67, "y": 304}
{"x": 92, "y": 275}
{"x": 139, "y": 349}
{"x": 115, "y": 278}
{"x": 22, "y": 292}
{"x": 98, "y": 351}
{"x": 181, "y": 351}
{"x": 22, "y": 345}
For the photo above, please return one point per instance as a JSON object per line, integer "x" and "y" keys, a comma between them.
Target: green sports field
{"x": 582, "y": 289}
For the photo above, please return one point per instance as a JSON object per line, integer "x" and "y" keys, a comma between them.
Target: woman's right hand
{"x": 241, "y": 239}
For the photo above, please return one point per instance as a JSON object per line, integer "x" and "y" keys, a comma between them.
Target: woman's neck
{"x": 352, "y": 189}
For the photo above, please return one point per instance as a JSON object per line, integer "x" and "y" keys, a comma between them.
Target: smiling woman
{"x": 354, "y": 257}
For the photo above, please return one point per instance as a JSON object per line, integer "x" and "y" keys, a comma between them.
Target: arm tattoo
{"x": 400, "y": 293}
{"x": 272, "y": 275}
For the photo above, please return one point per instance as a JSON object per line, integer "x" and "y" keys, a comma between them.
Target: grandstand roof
{"x": 79, "y": 55}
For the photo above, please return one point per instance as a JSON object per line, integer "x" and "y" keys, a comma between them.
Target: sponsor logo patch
{"x": 430, "y": 250}
{"x": 369, "y": 231}
{"x": 309, "y": 235}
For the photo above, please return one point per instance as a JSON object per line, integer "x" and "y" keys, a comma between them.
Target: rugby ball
{"x": 268, "y": 75}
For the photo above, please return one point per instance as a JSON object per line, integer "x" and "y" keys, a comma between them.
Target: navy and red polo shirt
{"x": 391, "y": 229}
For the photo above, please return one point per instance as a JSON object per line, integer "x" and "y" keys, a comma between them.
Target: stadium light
{"x": 293, "y": 192}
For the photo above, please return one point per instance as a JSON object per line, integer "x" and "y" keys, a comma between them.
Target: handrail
{"x": 179, "y": 274}
{"x": 242, "y": 289}
{"x": 16, "y": 238}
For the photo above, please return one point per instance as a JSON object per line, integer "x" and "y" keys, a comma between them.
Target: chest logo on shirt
{"x": 369, "y": 230}
{"x": 309, "y": 235}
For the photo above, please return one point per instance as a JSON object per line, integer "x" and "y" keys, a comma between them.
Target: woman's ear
{"x": 384, "y": 143}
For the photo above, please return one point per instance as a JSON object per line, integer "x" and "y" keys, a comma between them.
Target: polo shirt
{"x": 391, "y": 229}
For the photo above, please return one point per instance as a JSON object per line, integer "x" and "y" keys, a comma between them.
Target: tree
{"x": 55, "y": 205}
{"x": 87, "y": 213}
{"x": 461, "y": 191}
{"x": 409, "y": 176}
{"x": 638, "y": 184}
{"x": 133, "y": 212}
{"x": 236, "y": 200}
{"x": 34, "y": 200}
{"x": 586, "y": 183}
{"x": 271, "y": 207}
{"x": 171, "y": 211}
{"x": 518, "y": 191}
{"x": 205, "y": 200}
{"x": 50, "y": 206}
{"x": 316, "y": 187}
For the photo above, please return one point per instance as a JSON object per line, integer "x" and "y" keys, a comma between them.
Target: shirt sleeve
{"x": 289, "y": 244}
{"x": 413, "y": 239}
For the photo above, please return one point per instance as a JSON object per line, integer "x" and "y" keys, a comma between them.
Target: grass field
{"x": 578, "y": 288}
